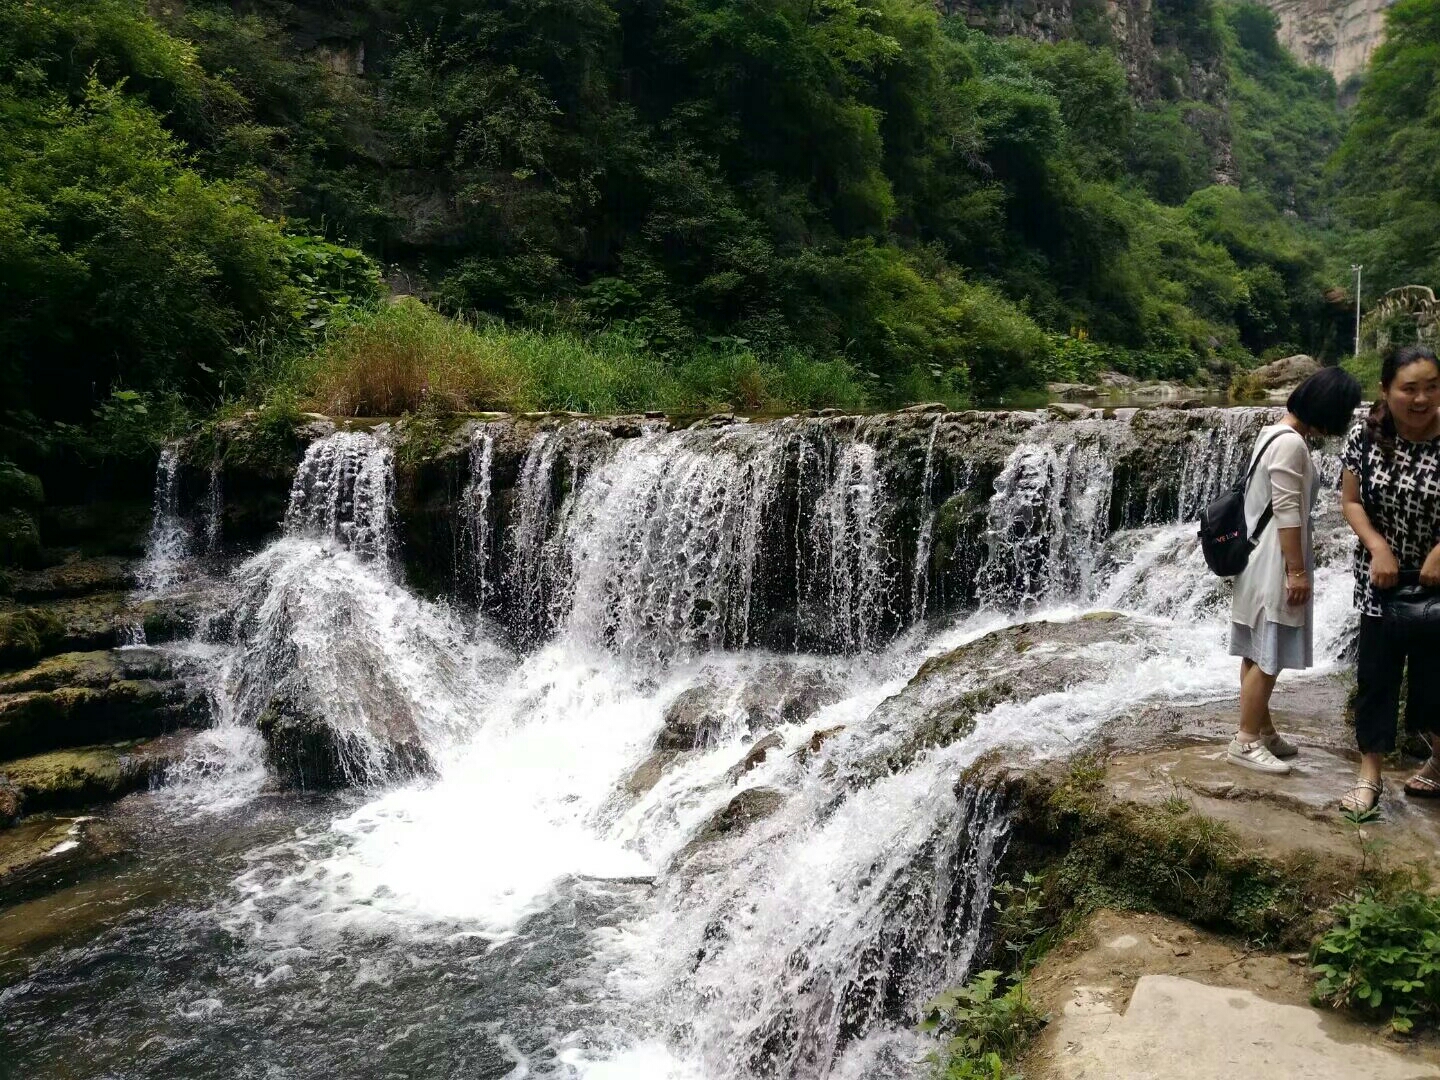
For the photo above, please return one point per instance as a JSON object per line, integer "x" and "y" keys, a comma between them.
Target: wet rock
{"x": 75, "y": 577}
{"x": 693, "y": 719}
{"x": 787, "y": 693}
{"x": 44, "y": 848}
{"x": 927, "y": 407}
{"x": 754, "y": 757}
{"x": 649, "y": 772}
{"x": 99, "y": 668}
{"x": 1065, "y": 411}
{"x": 312, "y": 755}
{"x": 71, "y": 779}
{"x": 34, "y": 721}
{"x": 816, "y": 743}
{"x": 81, "y": 624}
{"x": 745, "y": 809}
{"x": 949, "y": 692}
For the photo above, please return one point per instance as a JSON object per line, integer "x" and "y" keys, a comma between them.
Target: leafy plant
{"x": 1383, "y": 958}
{"x": 981, "y": 1021}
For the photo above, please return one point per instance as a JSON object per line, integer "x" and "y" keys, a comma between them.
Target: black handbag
{"x": 1410, "y": 605}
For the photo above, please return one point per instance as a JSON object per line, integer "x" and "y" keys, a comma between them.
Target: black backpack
{"x": 1223, "y": 538}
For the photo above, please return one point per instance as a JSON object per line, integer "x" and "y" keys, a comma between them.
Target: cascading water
{"x": 326, "y": 642}
{"x": 1049, "y": 513}
{"x": 476, "y": 517}
{"x": 342, "y": 491}
{"x": 168, "y": 547}
{"x": 575, "y": 888}
{"x": 919, "y": 587}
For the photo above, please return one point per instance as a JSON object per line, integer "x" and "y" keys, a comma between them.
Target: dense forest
{"x": 608, "y": 204}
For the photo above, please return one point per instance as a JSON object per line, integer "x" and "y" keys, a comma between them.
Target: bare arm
{"x": 1384, "y": 570}
{"x": 1297, "y": 581}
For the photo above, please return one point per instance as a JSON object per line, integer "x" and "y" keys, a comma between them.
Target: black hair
{"x": 1326, "y": 401}
{"x": 1380, "y": 425}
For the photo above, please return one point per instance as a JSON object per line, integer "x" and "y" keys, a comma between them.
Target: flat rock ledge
{"x": 1143, "y": 997}
{"x": 1204, "y": 885}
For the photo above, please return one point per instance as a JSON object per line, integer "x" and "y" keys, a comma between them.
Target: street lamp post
{"x": 1357, "y": 270}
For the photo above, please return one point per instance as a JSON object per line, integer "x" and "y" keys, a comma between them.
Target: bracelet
{"x": 1296, "y": 573}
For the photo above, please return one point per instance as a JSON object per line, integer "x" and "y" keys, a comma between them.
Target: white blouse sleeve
{"x": 1287, "y": 481}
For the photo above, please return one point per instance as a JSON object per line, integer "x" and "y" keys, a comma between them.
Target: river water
{"x": 524, "y": 908}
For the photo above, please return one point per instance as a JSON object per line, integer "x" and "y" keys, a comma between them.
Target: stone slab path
{"x": 1141, "y": 997}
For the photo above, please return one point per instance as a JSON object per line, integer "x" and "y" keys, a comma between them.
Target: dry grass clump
{"x": 408, "y": 356}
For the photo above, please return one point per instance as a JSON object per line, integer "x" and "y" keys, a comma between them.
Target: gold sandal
{"x": 1355, "y": 801}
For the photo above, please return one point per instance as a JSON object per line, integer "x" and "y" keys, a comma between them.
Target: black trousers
{"x": 1385, "y": 653}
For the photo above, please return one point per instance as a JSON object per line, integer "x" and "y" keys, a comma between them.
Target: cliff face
{"x": 1338, "y": 35}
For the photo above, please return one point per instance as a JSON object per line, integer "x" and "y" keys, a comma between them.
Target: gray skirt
{"x": 1274, "y": 647}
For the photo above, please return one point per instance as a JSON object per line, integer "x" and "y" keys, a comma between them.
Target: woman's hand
{"x": 1430, "y": 572}
{"x": 1297, "y": 588}
{"x": 1384, "y": 570}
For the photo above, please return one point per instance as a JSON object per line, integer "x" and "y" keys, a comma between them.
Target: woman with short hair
{"x": 1390, "y": 492}
{"x": 1272, "y": 613}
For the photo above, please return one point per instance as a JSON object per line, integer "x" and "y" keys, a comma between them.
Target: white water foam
{"x": 800, "y": 946}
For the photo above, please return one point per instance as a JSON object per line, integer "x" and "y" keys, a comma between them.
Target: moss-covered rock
{"x": 74, "y": 577}
{"x": 38, "y": 720}
{"x": 312, "y": 755}
{"x": 71, "y": 779}
{"x": 107, "y": 527}
{"x": 19, "y": 538}
{"x": 84, "y": 623}
{"x": 99, "y": 668}
{"x": 19, "y": 488}
{"x": 1089, "y": 849}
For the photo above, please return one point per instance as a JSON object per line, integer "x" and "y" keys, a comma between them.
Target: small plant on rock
{"x": 1383, "y": 958}
{"x": 985, "y": 1026}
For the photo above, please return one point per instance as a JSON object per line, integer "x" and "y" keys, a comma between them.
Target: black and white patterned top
{"x": 1401, "y": 493}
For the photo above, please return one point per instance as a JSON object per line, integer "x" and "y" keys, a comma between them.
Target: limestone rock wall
{"x": 1338, "y": 35}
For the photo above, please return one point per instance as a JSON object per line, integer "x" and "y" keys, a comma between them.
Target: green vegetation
{"x": 984, "y": 1026}
{"x": 406, "y": 357}
{"x": 1383, "y": 958}
{"x": 1386, "y": 166}
{"x": 761, "y": 204}
{"x": 757, "y": 204}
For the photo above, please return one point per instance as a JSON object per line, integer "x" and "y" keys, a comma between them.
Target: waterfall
{"x": 920, "y": 582}
{"x": 848, "y": 578}
{"x": 168, "y": 546}
{"x": 342, "y": 490}
{"x": 665, "y": 539}
{"x": 1048, "y": 516}
{"x": 326, "y": 643}
{"x": 214, "y": 508}
{"x": 1217, "y": 455}
{"x": 653, "y": 841}
{"x": 476, "y": 517}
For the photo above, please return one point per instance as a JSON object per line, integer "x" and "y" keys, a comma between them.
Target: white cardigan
{"x": 1286, "y": 478}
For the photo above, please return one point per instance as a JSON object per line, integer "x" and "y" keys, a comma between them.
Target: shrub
{"x": 1383, "y": 958}
{"x": 985, "y": 1027}
{"x": 404, "y": 356}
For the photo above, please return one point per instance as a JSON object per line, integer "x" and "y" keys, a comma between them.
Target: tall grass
{"x": 404, "y": 357}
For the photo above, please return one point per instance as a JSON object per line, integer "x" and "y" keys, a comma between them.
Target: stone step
{"x": 74, "y": 779}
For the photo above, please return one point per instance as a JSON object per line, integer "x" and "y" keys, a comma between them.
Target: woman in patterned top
{"x": 1390, "y": 491}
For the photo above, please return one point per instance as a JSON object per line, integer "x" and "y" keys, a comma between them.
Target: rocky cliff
{"x": 1338, "y": 35}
